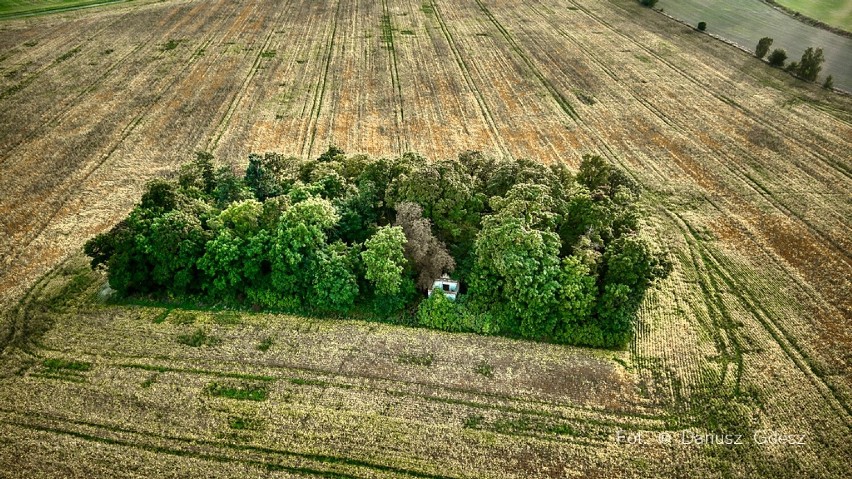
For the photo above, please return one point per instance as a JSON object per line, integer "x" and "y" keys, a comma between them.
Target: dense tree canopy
{"x": 810, "y": 65}
{"x": 763, "y": 47}
{"x": 541, "y": 253}
{"x": 777, "y": 57}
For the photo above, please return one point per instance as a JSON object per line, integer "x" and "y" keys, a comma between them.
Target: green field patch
{"x": 198, "y": 338}
{"x": 20, "y": 8}
{"x": 161, "y": 316}
{"x": 836, "y": 13}
{"x": 473, "y": 421}
{"x": 416, "y": 359}
{"x": 54, "y": 364}
{"x": 243, "y": 423}
{"x": 226, "y": 318}
{"x": 484, "y": 369}
{"x": 150, "y": 381}
{"x": 265, "y": 344}
{"x": 63, "y": 369}
{"x": 387, "y": 32}
{"x": 183, "y": 317}
{"x": 240, "y": 392}
{"x": 170, "y": 45}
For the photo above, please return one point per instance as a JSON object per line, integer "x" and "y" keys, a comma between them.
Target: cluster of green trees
{"x": 541, "y": 253}
{"x": 807, "y": 68}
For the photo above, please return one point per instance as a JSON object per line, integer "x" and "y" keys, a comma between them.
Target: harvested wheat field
{"x": 746, "y": 171}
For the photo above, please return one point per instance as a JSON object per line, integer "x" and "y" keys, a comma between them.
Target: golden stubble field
{"x": 747, "y": 179}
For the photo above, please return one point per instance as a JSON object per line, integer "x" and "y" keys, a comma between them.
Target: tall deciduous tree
{"x": 267, "y": 175}
{"x": 811, "y": 64}
{"x": 763, "y": 47}
{"x": 301, "y": 234}
{"x": 384, "y": 259}
{"x": 334, "y": 286}
{"x": 517, "y": 262}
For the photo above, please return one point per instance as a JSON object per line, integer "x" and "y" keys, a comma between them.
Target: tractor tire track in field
{"x": 474, "y": 398}
{"x": 270, "y": 458}
{"x": 781, "y": 337}
{"x": 399, "y": 112}
{"x": 838, "y": 167}
{"x": 319, "y": 93}
{"x": 17, "y": 320}
{"x": 238, "y": 97}
{"x": 557, "y": 96}
{"x": 732, "y": 160}
{"x": 776, "y": 332}
{"x": 718, "y": 323}
{"x": 550, "y": 422}
{"x": 68, "y": 55}
{"x": 60, "y": 115}
{"x": 105, "y": 157}
{"x": 468, "y": 78}
{"x": 757, "y": 118}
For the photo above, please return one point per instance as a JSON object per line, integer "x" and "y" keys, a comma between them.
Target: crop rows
{"x": 746, "y": 171}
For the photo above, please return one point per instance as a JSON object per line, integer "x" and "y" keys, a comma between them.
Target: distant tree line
{"x": 541, "y": 253}
{"x": 807, "y": 68}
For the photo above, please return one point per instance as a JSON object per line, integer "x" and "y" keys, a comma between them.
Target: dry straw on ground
{"x": 746, "y": 172}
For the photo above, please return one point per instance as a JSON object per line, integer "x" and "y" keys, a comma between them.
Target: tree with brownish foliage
{"x": 429, "y": 256}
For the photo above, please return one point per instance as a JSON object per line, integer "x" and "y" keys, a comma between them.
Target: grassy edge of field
{"x": 8, "y": 12}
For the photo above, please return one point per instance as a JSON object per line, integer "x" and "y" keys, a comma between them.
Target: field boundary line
{"x": 739, "y": 172}
{"x": 842, "y": 169}
{"x": 60, "y": 9}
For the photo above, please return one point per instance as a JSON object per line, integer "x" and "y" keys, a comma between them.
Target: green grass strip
{"x": 165, "y": 369}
